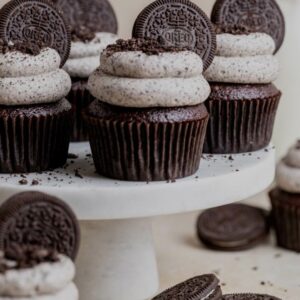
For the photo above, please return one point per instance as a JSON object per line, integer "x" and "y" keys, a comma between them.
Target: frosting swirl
{"x": 84, "y": 56}
{"x": 26, "y": 79}
{"x": 244, "y": 58}
{"x": 138, "y": 79}
{"x": 288, "y": 170}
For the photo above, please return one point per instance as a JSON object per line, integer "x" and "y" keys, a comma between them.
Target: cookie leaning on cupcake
{"x": 243, "y": 102}
{"x": 93, "y": 27}
{"x": 35, "y": 118}
{"x": 148, "y": 122}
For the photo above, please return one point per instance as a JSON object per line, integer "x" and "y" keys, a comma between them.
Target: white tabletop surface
{"x": 266, "y": 269}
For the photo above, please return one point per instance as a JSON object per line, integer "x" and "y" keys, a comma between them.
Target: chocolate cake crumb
{"x": 147, "y": 46}
{"x": 23, "y": 182}
{"x": 27, "y": 48}
{"x": 82, "y": 34}
{"x": 233, "y": 29}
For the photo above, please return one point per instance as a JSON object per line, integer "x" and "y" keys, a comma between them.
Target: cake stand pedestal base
{"x": 117, "y": 260}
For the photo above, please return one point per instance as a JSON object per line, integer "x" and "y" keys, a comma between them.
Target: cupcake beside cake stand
{"x": 117, "y": 257}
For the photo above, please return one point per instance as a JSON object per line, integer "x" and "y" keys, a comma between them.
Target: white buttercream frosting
{"x": 84, "y": 56}
{"x": 252, "y": 44}
{"x": 70, "y": 292}
{"x": 26, "y": 79}
{"x": 288, "y": 170}
{"x": 136, "y": 64}
{"x": 136, "y": 79}
{"x": 244, "y": 59}
{"x": 43, "y": 279}
{"x": 248, "y": 69}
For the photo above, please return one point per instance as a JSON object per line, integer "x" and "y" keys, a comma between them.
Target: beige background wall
{"x": 288, "y": 120}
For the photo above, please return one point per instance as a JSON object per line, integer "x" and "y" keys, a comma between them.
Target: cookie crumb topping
{"x": 82, "y": 34}
{"x": 147, "y": 46}
{"x": 233, "y": 29}
{"x": 24, "y": 257}
{"x": 27, "y": 48}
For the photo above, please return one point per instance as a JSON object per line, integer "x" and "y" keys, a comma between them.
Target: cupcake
{"x": 35, "y": 273}
{"x": 84, "y": 59}
{"x": 148, "y": 121}
{"x": 94, "y": 26}
{"x": 285, "y": 199}
{"x": 35, "y": 117}
{"x": 243, "y": 102}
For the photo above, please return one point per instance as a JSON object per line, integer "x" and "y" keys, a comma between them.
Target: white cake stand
{"x": 117, "y": 256}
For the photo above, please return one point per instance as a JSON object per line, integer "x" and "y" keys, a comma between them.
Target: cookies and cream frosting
{"x": 244, "y": 58}
{"x": 47, "y": 278}
{"x": 84, "y": 55}
{"x": 288, "y": 170}
{"x": 137, "y": 77}
{"x": 32, "y": 79}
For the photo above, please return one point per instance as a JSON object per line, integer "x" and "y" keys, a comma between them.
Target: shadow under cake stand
{"x": 117, "y": 257}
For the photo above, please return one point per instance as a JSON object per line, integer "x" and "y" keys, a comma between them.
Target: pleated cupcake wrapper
{"x": 238, "y": 126}
{"x": 286, "y": 221}
{"x": 138, "y": 151}
{"x": 80, "y": 98}
{"x": 35, "y": 143}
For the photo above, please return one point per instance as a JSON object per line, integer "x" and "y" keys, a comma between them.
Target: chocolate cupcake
{"x": 94, "y": 26}
{"x": 35, "y": 119}
{"x": 31, "y": 272}
{"x": 244, "y": 102}
{"x": 148, "y": 122}
{"x": 285, "y": 199}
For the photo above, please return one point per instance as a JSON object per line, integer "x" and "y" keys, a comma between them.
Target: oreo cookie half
{"x": 96, "y": 15}
{"x": 197, "y": 288}
{"x": 33, "y": 218}
{"x": 35, "y": 22}
{"x": 257, "y": 15}
{"x": 233, "y": 227}
{"x": 178, "y": 23}
{"x": 249, "y": 297}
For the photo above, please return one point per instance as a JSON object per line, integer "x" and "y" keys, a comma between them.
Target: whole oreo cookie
{"x": 35, "y": 22}
{"x": 178, "y": 23}
{"x": 233, "y": 227}
{"x": 258, "y": 15}
{"x": 197, "y": 288}
{"x": 96, "y": 15}
{"x": 33, "y": 218}
{"x": 249, "y": 297}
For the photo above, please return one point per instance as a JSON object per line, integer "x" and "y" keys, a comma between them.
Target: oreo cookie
{"x": 178, "y": 23}
{"x": 197, "y": 288}
{"x": 95, "y": 15}
{"x": 33, "y": 218}
{"x": 233, "y": 227}
{"x": 35, "y": 22}
{"x": 249, "y": 297}
{"x": 258, "y": 15}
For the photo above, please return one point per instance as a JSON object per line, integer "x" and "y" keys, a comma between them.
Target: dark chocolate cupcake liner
{"x": 34, "y": 142}
{"x": 80, "y": 98}
{"x": 286, "y": 221}
{"x": 138, "y": 151}
{"x": 238, "y": 126}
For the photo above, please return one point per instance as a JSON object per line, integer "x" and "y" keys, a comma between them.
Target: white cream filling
{"x": 136, "y": 64}
{"x": 252, "y": 69}
{"x": 45, "y": 278}
{"x": 157, "y": 92}
{"x": 82, "y": 67}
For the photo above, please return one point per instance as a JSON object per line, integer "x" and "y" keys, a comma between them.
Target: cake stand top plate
{"x": 221, "y": 179}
